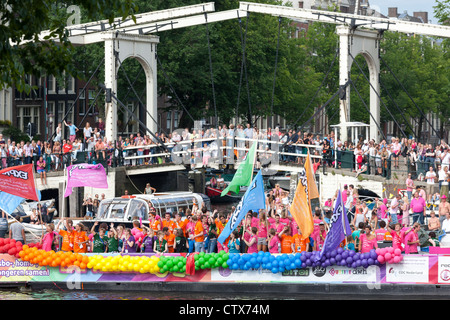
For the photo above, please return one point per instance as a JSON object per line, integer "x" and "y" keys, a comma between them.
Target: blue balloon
{"x": 275, "y": 263}
{"x": 298, "y": 263}
{"x": 274, "y": 270}
{"x": 280, "y": 269}
{"x": 293, "y": 266}
{"x": 269, "y": 266}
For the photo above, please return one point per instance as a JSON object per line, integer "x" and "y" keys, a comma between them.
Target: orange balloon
{"x": 83, "y": 265}
{"x": 54, "y": 264}
{"x": 85, "y": 260}
{"x": 67, "y": 261}
{"x": 63, "y": 264}
{"x": 58, "y": 261}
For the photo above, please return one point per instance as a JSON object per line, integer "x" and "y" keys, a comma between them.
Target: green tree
{"x": 21, "y": 50}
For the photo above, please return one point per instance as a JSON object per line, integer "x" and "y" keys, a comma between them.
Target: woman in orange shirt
{"x": 198, "y": 234}
{"x": 67, "y": 235}
{"x": 287, "y": 242}
{"x": 301, "y": 243}
{"x": 80, "y": 239}
{"x": 154, "y": 223}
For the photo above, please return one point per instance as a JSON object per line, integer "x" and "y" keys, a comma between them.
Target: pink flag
{"x": 85, "y": 175}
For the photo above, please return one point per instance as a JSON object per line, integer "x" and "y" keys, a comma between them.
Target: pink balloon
{"x": 383, "y": 251}
{"x": 397, "y": 252}
{"x": 396, "y": 259}
{"x": 391, "y": 261}
{"x": 381, "y": 259}
{"x": 388, "y": 256}
{"x": 390, "y": 250}
{"x": 378, "y": 251}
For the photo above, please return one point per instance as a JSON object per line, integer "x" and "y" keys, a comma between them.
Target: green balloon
{"x": 160, "y": 264}
{"x": 225, "y": 265}
{"x": 175, "y": 268}
{"x": 211, "y": 261}
{"x": 207, "y": 265}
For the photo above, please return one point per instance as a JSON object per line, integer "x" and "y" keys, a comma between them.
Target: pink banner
{"x": 85, "y": 175}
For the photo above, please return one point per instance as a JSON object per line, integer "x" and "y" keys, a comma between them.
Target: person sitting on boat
{"x": 213, "y": 182}
{"x": 220, "y": 182}
{"x": 35, "y": 217}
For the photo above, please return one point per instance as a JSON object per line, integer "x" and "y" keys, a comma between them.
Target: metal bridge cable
{"x": 240, "y": 75}
{"x": 404, "y": 89}
{"x": 275, "y": 71}
{"x": 378, "y": 95}
{"x": 398, "y": 108}
{"x": 318, "y": 90}
{"x": 368, "y": 110}
{"x": 211, "y": 70}
{"x": 126, "y": 96}
{"x": 171, "y": 87}
{"x": 244, "y": 45}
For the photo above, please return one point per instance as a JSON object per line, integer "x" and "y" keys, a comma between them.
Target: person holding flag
{"x": 253, "y": 199}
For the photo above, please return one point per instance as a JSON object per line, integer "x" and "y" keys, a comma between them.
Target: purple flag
{"x": 85, "y": 175}
{"x": 339, "y": 230}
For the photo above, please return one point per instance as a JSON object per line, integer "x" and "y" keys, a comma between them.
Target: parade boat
{"x": 214, "y": 193}
{"x": 24, "y": 211}
{"x": 124, "y": 209}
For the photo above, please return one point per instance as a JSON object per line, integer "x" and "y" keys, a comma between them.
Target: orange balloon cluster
{"x": 52, "y": 258}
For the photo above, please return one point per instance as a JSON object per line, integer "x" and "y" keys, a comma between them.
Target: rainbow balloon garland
{"x": 161, "y": 264}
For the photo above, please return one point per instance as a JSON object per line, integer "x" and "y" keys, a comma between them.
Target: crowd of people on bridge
{"x": 202, "y": 146}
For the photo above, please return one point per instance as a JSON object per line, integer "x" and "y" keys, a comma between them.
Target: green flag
{"x": 243, "y": 175}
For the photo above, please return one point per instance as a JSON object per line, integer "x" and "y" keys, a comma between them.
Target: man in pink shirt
{"x": 412, "y": 240}
{"x": 418, "y": 207}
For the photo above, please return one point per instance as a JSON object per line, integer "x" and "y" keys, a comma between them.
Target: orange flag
{"x": 301, "y": 204}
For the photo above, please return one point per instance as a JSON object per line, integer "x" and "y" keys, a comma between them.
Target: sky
{"x": 409, "y": 5}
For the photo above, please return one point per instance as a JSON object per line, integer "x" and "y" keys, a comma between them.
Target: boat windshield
{"x": 113, "y": 209}
{"x": 137, "y": 209}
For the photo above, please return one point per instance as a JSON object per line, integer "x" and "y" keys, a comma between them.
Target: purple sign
{"x": 85, "y": 175}
{"x": 339, "y": 230}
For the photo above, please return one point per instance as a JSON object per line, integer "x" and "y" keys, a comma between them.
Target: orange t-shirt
{"x": 199, "y": 230}
{"x": 77, "y": 238}
{"x": 286, "y": 243}
{"x": 67, "y": 240}
{"x": 300, "y": 242}
{"x": 170, "y": 241}
{"x": 169, "y": 224}
{"x": 387, "y": 236}
{"x": 155, "y": 225}
{"x": 181, "y": 225}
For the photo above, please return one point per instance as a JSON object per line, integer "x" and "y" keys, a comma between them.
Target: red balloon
{"x": 2, "y": 241}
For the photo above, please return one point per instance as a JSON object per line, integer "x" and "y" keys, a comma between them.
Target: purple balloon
{"x": 370, "y": 261}
{"x": 332, "y": 261}
{"x": 308, "y": 262}
{"x": 349, "y": 260}
{"x": 338, "y": 257}
{"x": 340, "y": 250}
{"x": 344, "y": 254}
{"x": 351, "y": 253}
{"x": 333, "y": 253}
{"x": 343, "y": 262}
{"x": 354, "y": 265}
{"x": 358, "y": 263}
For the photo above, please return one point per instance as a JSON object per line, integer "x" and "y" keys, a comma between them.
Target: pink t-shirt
{"x": 397, "y": 240}
{"x": 379, "y": 234}
{"x": 262, "y": 230}
{"x": 366, "y": 244}
{"x": 273, "y": 244}
{"x": 418, "y": 204}
{"x": 278, "y": 228}
{"x": 254, "y": 247}
{"x": 319, "y": 241}
{"x": 409, "y": 181}
{"x": 382, "y": 211}
{"x": 47, "y": 240}
{"x": 411, "y": 248}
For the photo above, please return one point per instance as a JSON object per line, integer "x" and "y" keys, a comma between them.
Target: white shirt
{"x": 430, "y": 177}
{"x": 446, "y": 225}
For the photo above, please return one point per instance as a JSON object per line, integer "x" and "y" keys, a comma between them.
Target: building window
{"x": 175, "y": 119}
{"x": 51, "y": 84}
{"x": 169, "y": 120}
{"x": 70, "y": 84}
{"x": 82, "y": 103}
{"x": 28, "y": 114}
